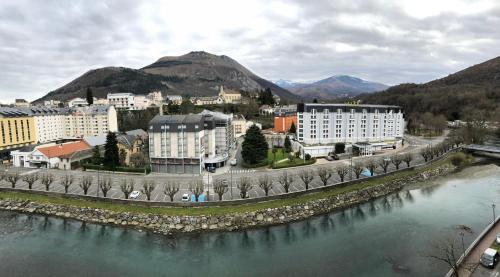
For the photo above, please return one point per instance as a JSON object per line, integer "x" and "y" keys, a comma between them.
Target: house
{"x": 241, "y": 125}
{"x": 284, "y": 116}
{"x": 266, "y": 110}
{"x": 63, "y": 156}
{"x": 175, "y": 99}
{"x": 78, "y": 102}
{"x": 131, "y": 144}
{"x": 21, "y": 103}
{"x": 206, "y": 100}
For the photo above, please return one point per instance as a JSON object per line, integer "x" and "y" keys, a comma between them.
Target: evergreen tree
{"x": 96, "y": 155}
{"x": 288, "y": 145}
{"x": 292, "y": 129}
{"x": 254, "y": 147}
{"x": 266, "y": 97}
{"x": 90, "y": 97}
{"x": 315, "y": 100}
{"x": 111, "y": 154}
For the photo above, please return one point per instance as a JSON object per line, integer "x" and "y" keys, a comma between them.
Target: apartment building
{"x": 17, "y": 129}
{"x": 189, "y": 143}
{"x": 49, "y": 122}
{"x": 320, "y": 126}
{"x": 122, "y": 100}
{"x": 90, "y": 121}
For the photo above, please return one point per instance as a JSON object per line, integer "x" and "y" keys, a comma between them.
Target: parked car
{"x": 329, "y": 158}
{"x": 185, "y": 197}
{"x": 489, "y": 258}
{"x": 335, "y": 157}
{"x": 498, "y": 238}
{"x": 134, "y": 194}
{"x": 211, "y": 169}
{"x": 233, "y": 162}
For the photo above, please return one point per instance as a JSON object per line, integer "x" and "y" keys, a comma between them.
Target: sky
{"x": 46, "y": 44}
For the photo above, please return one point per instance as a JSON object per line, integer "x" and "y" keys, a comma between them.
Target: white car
{"x": 233, "y": 162}
{"x": 134, "y": 194}
{"x": 498, "y": 238}
{"x": 185, "y": 197}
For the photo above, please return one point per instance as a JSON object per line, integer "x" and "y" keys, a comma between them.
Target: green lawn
{"x": 495, "y": 246}
{"x": 191, "y": 211}
{"x": 280, "y": 155}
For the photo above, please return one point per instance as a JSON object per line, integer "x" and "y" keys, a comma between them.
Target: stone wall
{"x": 229, "y": 222}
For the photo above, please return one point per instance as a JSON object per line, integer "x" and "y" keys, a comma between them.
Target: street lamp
{"x": 350, "y": 160}
{"x": 493, "y": 208}
{"x": 97, "y": 190}
{"x": 463, "y": 245}
{"x": 231, "y": 171}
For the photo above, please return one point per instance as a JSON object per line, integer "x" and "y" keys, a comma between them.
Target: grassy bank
{"x": 173, "y": 211}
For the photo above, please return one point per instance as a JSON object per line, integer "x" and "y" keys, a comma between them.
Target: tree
{"x": 138, "y": 160}
{"x": 96, "y": 155}
{"x": 13, "y": 178}
{"x": 30, "y": 179}
{"x": 85, "y": 184}
{"x": 47, "y": 180}
{"x": 196, "y": 188}
{"x": 292, "y": 129}
{"x": 265, "y": 183}
{"x": 254, "y": 146}
{"x": 266, "y": 97}
{"x": 111, "y": 155}
{"x": 244, "y": 186}
{"x": 447, "y": 250}
{"x": 122, "y": 156}
{"x": 90, "y": 97}
{"x": 148, "y": 186}
{"x": 358, "y": 168}
{"x": 458, "y": 159}
{"x": 127, "y": 186}
{"x": 105, "y": 185}
{"x": 307, "y": 177}
{"x": 339, "y": 148}
{"x": 315, "y": 100}
{"x": 274, "y": 151}
{"x": 171, "y": 188}
{"x": 67, "y": 181}
{"x": 371, "y": 165}
{"x": 3, "y": 175}
{"x": 425, "y": 153}
{"x": 407, "y": 158}
{"x": 342, "y": 171}
{"x": 220, "y": 187}
{"x": 324, "y": 175}
{"x": 285, "y": 180}
{"x": 288, "y": 145}
{"x": 384, "y": 163}
{"x": 396, "y": 160}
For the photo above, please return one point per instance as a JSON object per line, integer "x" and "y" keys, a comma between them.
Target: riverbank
{"x": 197, "y": 219}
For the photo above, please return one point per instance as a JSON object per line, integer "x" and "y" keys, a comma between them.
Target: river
{"x": 386, "y": 237}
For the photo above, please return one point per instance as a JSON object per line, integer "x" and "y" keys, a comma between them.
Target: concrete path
{"x": 475, "y": 254}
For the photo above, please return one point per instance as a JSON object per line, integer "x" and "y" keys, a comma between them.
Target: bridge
{"x": 483, "y": 148}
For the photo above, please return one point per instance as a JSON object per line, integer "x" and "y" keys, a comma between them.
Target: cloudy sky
{"x": 46, "y": 44}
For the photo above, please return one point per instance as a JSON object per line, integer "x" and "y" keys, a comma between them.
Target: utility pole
{"x": 493, "y": 208}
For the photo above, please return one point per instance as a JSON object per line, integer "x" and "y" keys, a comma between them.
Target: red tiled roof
{"x": 64, "y": 149}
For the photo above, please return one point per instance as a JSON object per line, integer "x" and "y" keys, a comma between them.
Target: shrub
{"x": 308, "y": 157}
{"x": 458, "y": 159}
{"x": 339, "y": 147}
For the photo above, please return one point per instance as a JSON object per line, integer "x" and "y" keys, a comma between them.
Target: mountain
{"x": 192, "y": 74}
{"x": 333, "y": 87}
{"x": 474, "y": 89}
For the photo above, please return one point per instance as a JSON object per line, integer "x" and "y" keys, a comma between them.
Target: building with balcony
{"x": 17, "y": 129}
{"x": 49, "y": 123}
{"x": 90, "y": 121}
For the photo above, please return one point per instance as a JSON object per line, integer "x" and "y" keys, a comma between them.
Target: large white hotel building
{"x": 320, "y": 126}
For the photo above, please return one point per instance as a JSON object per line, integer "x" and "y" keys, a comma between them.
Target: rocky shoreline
{"x": 230, "y": 222}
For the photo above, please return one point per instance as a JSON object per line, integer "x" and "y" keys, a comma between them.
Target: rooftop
{"x": 12, "y": 112}
{"x": 65, "y": 149}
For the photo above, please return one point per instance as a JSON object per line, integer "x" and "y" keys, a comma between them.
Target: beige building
{"x": 91, "y": 121}
{"x": 241, "y": 125}
{"x": 229, "y": 96}
{"x": 49, "y": 123}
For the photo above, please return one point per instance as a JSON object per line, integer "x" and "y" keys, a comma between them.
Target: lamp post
{"x": 97, "y": 190}
{"x": 231, "y": 171}
{"x": 463, "y": 245}
{"x": 493, "y": 209}
{"x": 350, "y": 161}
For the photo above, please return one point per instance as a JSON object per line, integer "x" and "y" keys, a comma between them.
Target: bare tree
{"x": 407, "y": 158}
{"x": 425, "y": 153}
{"x": 3, "y": 175}
{"x": 448, "y": 250}
{"x": 396, "y": 160}
{"x": 12, "y": 178}
{"x": 127, "y": 186}
{"x": 171, "y": 189}
{"x": 307, "y": 177}
{"x": 358, "y": 168}
{"x": 285, "y": 180}
{"x": 244, "y": 186}
{"x": 47, "y": 180}
{"x": 384, "y": 163}
{"x": 265, "y": 183}
{"x": 371, "y": 165}
{"x": 30, "y": 179}
{"x": 324, "y": 175}
{"x": 67, "y": 181}
{"x": 220, "y": 187}
{"x": 196, "y": 188}
{"x": 105, "y": 185}
{"x": 148, "y": 186}
{"x": 342, "y": 171}
{"x": 85, "y": 183}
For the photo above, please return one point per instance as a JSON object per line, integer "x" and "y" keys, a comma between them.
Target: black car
{"x": 211, "y": 169}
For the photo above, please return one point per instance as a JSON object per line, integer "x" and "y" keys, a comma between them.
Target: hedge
{"x": 118, "y": 168}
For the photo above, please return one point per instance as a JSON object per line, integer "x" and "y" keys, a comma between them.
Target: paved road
{"x": 229, "y": 174}
{"x": 475, "y": 254}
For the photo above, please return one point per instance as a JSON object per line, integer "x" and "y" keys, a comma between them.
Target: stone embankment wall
{"x": 229, "y": 222}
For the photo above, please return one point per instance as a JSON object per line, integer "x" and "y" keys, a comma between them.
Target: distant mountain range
{"x": 474, "y": 90}
{"x": 334, "y": 87}
{"x": 193, "y": 74}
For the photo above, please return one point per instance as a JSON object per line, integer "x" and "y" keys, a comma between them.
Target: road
{"x": 475, "y": 254}
{"x": 231, "y": 175}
